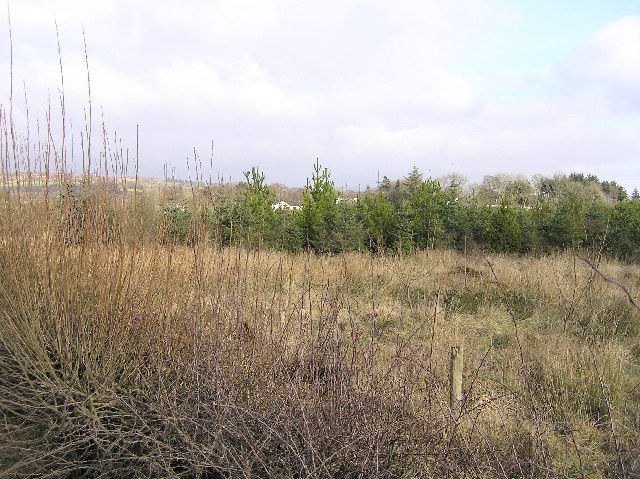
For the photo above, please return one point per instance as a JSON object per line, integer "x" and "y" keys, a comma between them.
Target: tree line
{"x": 507, "y": 214}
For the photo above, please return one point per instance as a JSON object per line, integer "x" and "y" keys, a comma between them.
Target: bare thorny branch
{"x": 609, "y": 280}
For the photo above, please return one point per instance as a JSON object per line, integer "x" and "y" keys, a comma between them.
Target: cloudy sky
{"x": 475, "y": 87}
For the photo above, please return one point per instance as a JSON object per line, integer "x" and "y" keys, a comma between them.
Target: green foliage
{"x": 427, "y": 209}
{"x": 253, "y": 208}
{"x": 624, "y": 230}
{"x": 614, "y": 191}
{"x": 287, "y": 234}
{"x": 567, "y": 228}
{"x": 385, "y": 186}
{"x": 411, "y": 214}
{"x": 505, "y": 234}
{"x": 177, "y": 227}
{"x": 497, "y": 229}
{"x": 411, "y": 184}
{"x": 250, "y": 218}
{"x": 515, "y": 190}
{"x": 319, "y": 220}
{"x": 381, "y": 221}
{"x": 597, "y": 219}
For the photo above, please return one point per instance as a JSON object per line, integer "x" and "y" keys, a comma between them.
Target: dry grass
{"x": 123, "y": 356}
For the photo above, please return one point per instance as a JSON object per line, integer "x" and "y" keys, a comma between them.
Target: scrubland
{"x": 123, "y": 354}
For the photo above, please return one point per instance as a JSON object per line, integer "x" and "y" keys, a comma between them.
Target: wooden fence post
{"x": 465, "y": 261}
{"x": 455, "y": 378}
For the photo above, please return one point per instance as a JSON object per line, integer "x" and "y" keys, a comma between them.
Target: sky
{"x": 369, "y": 88}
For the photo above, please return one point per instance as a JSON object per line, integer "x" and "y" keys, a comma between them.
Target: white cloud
{"x": 610, "y": 60}
{"x": 418, "y": 95}
{"x": 233, "y": 18}
{"x": 614, "y": 52}
{"x": 381, "y": 140}
{"x": 238, "y": 88}
{"x": 362, "y": 85}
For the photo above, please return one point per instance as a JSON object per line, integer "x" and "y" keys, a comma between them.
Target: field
{"x": 124, "y": 354}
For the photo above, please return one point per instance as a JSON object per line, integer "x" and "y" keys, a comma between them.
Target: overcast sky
{"x": 475, "y": 87}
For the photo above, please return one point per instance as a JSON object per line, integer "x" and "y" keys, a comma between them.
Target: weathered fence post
{"x": 465, "y": 261}
{"x": 455, "y": 378}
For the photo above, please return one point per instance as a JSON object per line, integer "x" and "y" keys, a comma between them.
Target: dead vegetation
{"x": 123, "y": 356}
